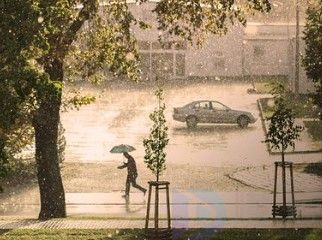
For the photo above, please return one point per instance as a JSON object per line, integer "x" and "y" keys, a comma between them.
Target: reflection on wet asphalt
{"x": 122, "y": 116}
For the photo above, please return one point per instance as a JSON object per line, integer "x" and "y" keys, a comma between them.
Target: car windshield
{"x": 218, "y": 106}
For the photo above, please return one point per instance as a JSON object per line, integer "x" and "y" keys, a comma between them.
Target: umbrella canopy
{"x": 122, "y": 148}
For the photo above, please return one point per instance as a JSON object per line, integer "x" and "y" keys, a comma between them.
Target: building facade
{"x": 262, "y": 50}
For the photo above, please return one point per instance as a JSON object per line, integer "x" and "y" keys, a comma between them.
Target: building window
{"x": 258, "y": 52}
{"x": 180, "y": 45}
{"x": 162, "y": 64}
{"x": 176, "y": 45}
{"x": 180, "y": 65}
{"x": 144, "y": 65}
{"x": 218, "y": 61}
{"x": 164, "y": 45}
{"x": 218, "y": 54}
{"x": 144, "y": 45}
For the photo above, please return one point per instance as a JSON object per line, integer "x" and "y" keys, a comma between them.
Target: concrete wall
{"x": 219, "y": 56}
{"x": 266, "y": 57}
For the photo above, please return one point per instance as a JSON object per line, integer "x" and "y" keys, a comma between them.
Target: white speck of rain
{"x": 129, "y": 56}
{"x": 40, "y": 19}
{"x": 234, "y": 7}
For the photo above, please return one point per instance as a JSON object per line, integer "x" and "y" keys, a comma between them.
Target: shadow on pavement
{"x": 130, "y": 209}
{"x": 314, "y": 168}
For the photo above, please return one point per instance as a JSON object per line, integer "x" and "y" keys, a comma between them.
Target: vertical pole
{"x": 168, "y": 206}
{"x": 150, "y": 63}
{"x": 275, "y": 191}
{"x": 243, "y": 61}
{"x": 284, "y": 185}
{"x": 159, "y": 128}
{"x": 297, "y": 50}
{"x": 156, "y": 213}
{"x": 292, "y": 189}
{"x": 148, "y": 208}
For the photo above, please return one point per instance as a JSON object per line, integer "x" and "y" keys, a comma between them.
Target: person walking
{"x": 132, "y": 174}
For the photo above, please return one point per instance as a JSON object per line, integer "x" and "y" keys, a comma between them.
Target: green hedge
{"x": 314, "y": 129}
{"x": 303, "y": 106}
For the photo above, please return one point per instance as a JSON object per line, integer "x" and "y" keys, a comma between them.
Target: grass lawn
{"x": 314, "y": 129}
{"x": 263, "y": 86}
{"x": 180, "y": 234}
{"x": 303, "y": 107}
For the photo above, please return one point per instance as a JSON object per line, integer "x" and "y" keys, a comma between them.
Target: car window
{"x": 202, "y": 105}
{"x": 218, "y": 106}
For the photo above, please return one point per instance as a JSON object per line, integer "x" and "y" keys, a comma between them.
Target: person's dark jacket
{"x": 131, "y": 167}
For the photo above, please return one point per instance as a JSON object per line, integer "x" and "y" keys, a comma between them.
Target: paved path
{"x": 126, "y": 224}
{"x": 263, "y": 178}
{"x": 184, "y": 205}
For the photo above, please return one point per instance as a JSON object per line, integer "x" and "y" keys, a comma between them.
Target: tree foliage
{"x": 282, "y": 131}
{"x": 155, "y": 156}
{"x": 192, "y": 19}
{"x": 16, "y": 78}
{"x": 313, "y": 52}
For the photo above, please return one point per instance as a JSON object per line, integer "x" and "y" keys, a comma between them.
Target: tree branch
{"x": 89, "y": 9}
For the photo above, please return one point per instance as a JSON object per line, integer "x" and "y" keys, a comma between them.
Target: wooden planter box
{"x": 284, "y": 211}
{"x": 158, "y": 233}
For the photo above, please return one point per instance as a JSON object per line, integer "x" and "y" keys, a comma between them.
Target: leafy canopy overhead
{"x": 190, "y": 18}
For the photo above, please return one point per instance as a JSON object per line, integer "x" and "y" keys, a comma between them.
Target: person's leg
{"x": 127, "y": 186}
{"x": 134, "y": 184}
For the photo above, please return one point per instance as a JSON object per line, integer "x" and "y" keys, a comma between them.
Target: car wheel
{"x": 243, "y": 121}
{"x": 191, "y": 122}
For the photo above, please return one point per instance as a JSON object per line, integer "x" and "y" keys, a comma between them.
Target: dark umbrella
{"x": 122, "y": 148}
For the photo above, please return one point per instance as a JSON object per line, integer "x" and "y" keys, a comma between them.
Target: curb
{"x": 244, "y": 183}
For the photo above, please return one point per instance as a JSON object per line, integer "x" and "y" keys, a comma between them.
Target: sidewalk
{"x": 225, "y": 206}
{"x": 131, "y": 224}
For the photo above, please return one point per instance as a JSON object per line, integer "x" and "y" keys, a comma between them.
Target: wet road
{"x": 120, "y": 115}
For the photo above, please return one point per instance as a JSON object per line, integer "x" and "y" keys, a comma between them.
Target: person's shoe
{"x": 144, "y": 192}
{"x": 125, "y": 196}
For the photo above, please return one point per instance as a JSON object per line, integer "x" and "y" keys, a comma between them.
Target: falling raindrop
{"x": 129, "y": 56}
{"x": 40, "y": 19}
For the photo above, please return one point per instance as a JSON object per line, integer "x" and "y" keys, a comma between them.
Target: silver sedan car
{"x": 206, "y": 111}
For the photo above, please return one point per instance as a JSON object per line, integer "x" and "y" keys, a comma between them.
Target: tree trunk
{"x": 52, "y": 195}
{"x": 283, "y": 182}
